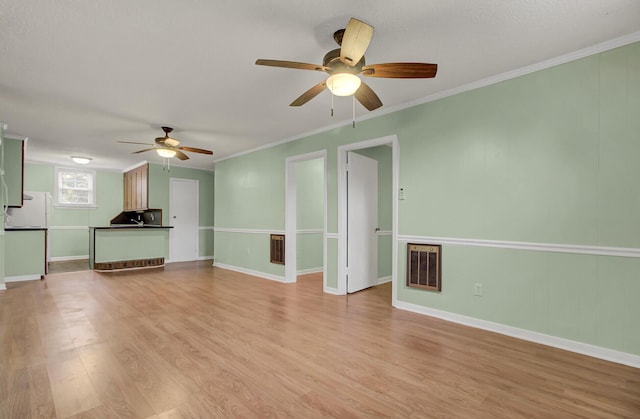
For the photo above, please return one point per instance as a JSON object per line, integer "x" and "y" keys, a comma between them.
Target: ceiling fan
{"x": 345, "y": 63}
{"x": 169, "y": 147}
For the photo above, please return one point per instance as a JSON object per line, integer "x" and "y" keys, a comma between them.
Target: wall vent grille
{"x": 277, "y": 248}
{"x": 423, "y": 266}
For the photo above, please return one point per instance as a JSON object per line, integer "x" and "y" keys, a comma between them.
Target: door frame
{"x": 172, "y": 181}
{"x": 342, "y": 208}
{"x": 290, "y": 214}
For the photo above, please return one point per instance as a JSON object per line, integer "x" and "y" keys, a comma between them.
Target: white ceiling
{"x": 75, "y": 76}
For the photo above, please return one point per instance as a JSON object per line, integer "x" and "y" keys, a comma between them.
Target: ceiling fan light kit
{"x": 168, "y": 147}
{"x": 166, "y": 153}
{"x": 345, "y": 64}
{"x": 343, "y": 84}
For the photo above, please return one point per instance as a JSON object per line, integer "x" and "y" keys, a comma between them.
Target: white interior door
{"x": 362, "y": 222}
{"x": 183, "y": 216}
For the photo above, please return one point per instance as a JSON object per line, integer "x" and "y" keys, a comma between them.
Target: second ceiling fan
{"x": 169, "y": 147}
{"x": 345, "y": 63}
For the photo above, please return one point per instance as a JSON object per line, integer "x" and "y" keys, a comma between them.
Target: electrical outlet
{"x": 478, "y": 290}
{"x": 401, "y": 194}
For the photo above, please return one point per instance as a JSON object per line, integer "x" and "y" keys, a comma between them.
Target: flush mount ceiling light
{"x": 80, "y": 159}
{"x": 343, "y": 84}
{"x": 166, "y": 153}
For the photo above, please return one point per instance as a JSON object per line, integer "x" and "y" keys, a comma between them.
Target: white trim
{"x": 247, "y": 230}
{"x": 66, "y": 258}
{"x": 331, "y": 235}
{"x": 310, "y": 271}
{"x": 135, "y": 166}
{"x": 332, "y": 291}
{"x": 556, "y": 342}
{"x": 310, "y": 231}
{"x": 2, "y": 231}
{"x": 206, "y": 228}
{"x": 20, "y": 278}
{"x": 384, "y": 280}
{"x": 384, "y": 233}
{"x": 86, "y": 228}
{"x": 562, "y": 59}
{"x": 207, "y": 257}
{"x": 541, "y": 247}
{"x": 342, "y": 203}
{"x": 251, "y": 272}
{"x": 3, "y": 287}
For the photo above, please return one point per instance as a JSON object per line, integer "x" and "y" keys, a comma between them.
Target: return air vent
{"x": 423, "y": 266}
{"x": 277, "y": 248}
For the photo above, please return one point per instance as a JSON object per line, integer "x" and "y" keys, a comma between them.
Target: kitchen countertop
{"x": 25, "y": 228}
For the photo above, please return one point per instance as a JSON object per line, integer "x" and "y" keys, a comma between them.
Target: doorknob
{"x": 377, "y": 229}
{"x": 174, "y": 217}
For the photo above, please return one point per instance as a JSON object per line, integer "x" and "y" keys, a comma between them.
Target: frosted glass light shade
{"x": 343, "y": 84}
{"x": 166, "y": 153}
{"x": 80, "y": 159}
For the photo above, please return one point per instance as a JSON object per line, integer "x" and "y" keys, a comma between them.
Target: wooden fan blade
{"x": 401, "y": 70}
{"x": 355, "y": 41}
{"x": 181, "y": 155}
{"x": 309, "y": 94}
{"x": 291, "y": 64}
{"x": 367, "y": 97}
{"x": 142, "y": 151}
{"x": 195, "y": 150}
{"x": 132, "y": 142}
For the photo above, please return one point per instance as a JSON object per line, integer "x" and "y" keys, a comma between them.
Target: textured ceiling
{"x": 78, "y": 75}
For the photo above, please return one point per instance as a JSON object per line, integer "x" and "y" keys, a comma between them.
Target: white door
{"x": 183, "y": 216}
{"x": 362, "y": 222}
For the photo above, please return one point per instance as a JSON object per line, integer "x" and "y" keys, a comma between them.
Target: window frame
{"x": 92, "y": 188}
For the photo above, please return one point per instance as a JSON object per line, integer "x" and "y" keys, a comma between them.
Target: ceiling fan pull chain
{"x": 353, "y": 108}
{"x": 331, "y": 81}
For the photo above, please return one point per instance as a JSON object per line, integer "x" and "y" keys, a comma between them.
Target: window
{"x": 75, "y": 188}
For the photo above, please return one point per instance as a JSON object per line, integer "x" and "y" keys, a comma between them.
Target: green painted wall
{"x": 310, "y": 213}
{"x": 69, "y": 226}
{"x": 159, "y": 180}
{"x": 549, "y": 157}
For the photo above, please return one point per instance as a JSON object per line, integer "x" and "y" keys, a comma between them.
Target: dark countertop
{"x": 129, "y": 227}
{"x": 26, "y": 228}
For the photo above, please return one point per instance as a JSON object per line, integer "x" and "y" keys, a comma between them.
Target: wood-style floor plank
{"x": 193, "y": 341}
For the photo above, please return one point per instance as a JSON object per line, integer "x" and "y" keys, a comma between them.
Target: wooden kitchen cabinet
{"x": 136, "y": 188}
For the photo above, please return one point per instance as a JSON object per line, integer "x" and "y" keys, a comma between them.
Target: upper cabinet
{"x": 14, "y": 170}
{"x": 136, "y": 188}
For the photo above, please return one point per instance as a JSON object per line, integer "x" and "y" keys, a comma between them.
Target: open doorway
{"x": 367, "y": 214}
{"x": 306, "y": 216}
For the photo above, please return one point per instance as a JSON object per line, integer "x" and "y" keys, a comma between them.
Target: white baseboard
{"x": 65, "y": 258}
{"x": 251, "y": 272}
{"x": 204, "y": 257}
{"x": 20, "y": 278}
{"x": 333, "y": 291}
{"x": 384, "y": 280}
{"x": 309, "y": 271}
{"x": 556, "y": 342}
{"x": 3, "y": 287}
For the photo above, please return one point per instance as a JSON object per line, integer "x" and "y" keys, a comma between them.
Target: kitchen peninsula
{"x": 126, "y": 247}
{"x": 135, "y": 239}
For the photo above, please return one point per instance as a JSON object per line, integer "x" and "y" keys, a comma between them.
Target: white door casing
{"x": 184, "y": 217}
{"x": 362, "y": 222}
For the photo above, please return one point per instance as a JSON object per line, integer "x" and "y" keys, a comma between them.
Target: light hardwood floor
{"x": 190, "y": 341}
